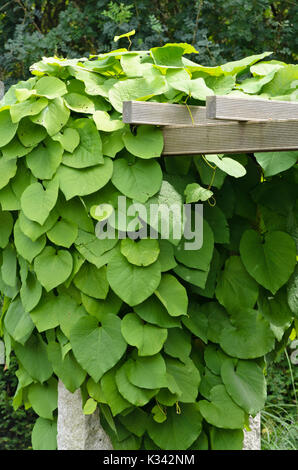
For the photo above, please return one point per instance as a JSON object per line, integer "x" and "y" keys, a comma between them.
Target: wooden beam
{"x": 163, "y": 114}
{"x": 231, "y": 137}
{"x": 250, "y": 109}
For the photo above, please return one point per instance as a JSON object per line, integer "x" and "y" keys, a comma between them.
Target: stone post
{"x": 1, "y": 90}
{"x": 77, "y": 431}
{"x": 252, "y": 439}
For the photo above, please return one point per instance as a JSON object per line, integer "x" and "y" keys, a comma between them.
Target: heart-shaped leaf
{"x": 97, "y": 349}
{"x": 53, "y": 267}
{"x": 38, "y": 202}
{"x": 270, "y": 262}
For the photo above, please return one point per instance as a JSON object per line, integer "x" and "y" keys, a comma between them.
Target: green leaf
{"x": 29, "y": 133}
{"x": 149, "y": 339}
{"x": 226, "y": 439}
{"x": 147, "y": 143}
{"x": 248, "y": 337}
{"x": 138, "y": 180}
{"x": 186, "y": 377}
{"x": 53, "y": 117}
{"x": 112, "y": 143}
{"x": 68, "y": 313}
{"x": 38, "y": 202}
{"x": 8, "y": 128}
{"x": 45, "y": 159}
{"x": 221, "y": 411}
{"x": 34, "y": 230}
{"x": 235, "y": 67}
{"x": 135, "y": 395}
{"x": 235, "y": 287}
{"x": 15, "y": 150}
{"x": 50, "y": 87}
{"x": 228, "y": 165}
{"x": 92, "y": 248}
{"x": 193, "y": 276}
{"x": 218, "y": 223}
{"x": 30, "y": 292}
{"x": 178, "y": 344}
{"x": 6, "y": 225}
{"x": 100, "y": 308}
{"x": 63, "y": 233}
{"x": 33, "y": 356}
{"x": 133, "y": 284}
{"x": 8, "y": 169}
{"x": 105, "y": 122}
{"x": 276, "y": 162}
{"x": 69, "y": 139}
{"x": 90, "y": 406}
{"x": 126, "y": 35}
{"x": 110, "y": 390}
{"x": 207, "y": 174}
{"x": 25, "y": 246}
{"x": 43, "y": 398}
{"x": 269, "y": 262}
{"x": 292, "y": 289}
{"x": 148, "y": 372}
{"x": 194, "y": 192}
{"x": 97, "y": 349}
{"x": 169, "y": 55}
{"x": 89, "y": 151}
{"x": 30, "y": 107}
{"x": 18, "y": 322}
{"x": 154, "y": 312}
{"x": 80, "y": 182}
{"x": 141, "y": 253}
{"x": 46, "y": 314}
{"x": 214, "y": 358}
{"x": 201, "y": 258}
{"x": 276, "y": 309}
{"x": 136, "y": 88}
{"x": 9, "y": 266}
{"x": 92, "y": 281}
{"x": 44, "y": 434}
{"x": 172, "y": 295}
{"x": 53, "y": 267}
{"x": 166, "y": 256}
{"x": 245, "y": 383}
{"x": 196, "y": 321}
{"x": 136, "y": 421}
{"x": 209, "y": 380}
{"x": 179, "y": 430}
{"x": 79, "y": 103}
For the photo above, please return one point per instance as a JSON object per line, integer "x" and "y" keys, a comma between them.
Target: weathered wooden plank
{"x": 162, "y": 114}
{"x": 231, "y": 137}
{"x": 250, "y": 109}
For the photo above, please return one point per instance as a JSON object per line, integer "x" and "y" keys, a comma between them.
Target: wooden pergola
{"x": 225, "y": 125}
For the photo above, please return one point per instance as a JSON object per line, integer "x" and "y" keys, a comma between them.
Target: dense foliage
{"x": 219, "y": 30}
{"x": 16, "y": 425}
{"x": 170, "y": 344}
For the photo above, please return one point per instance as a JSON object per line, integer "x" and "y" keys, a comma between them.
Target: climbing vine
{"x": 171, "y": 345}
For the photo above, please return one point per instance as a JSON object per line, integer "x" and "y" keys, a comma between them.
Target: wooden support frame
{"x": 250, "y": 109}
{"x": 163, "y": 114}
{"x": 271, "y": 129}
{"x": 231, "y": 138}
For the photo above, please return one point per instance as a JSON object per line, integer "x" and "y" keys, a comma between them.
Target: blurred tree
{"x": 220, "y": 30}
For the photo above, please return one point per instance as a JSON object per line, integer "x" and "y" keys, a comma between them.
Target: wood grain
{"x": 163, "y": 114}
{"x": 231, "y": 137}
{"x": 250, "y": 109}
